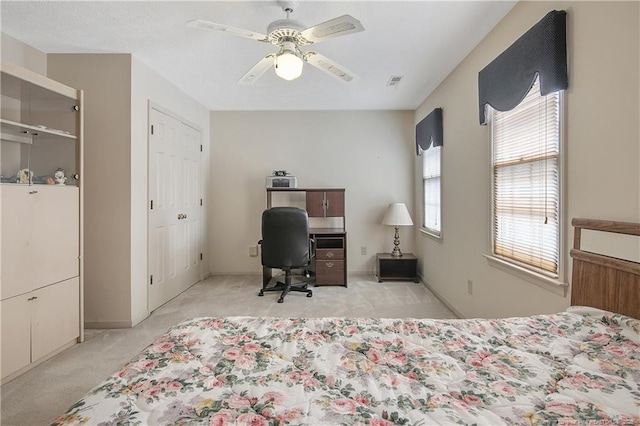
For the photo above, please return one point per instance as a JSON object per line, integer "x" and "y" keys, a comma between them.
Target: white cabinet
{"x": 37, "y": 324}
{"x": 41, "y": 225}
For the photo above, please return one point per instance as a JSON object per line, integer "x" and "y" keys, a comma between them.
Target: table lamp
{"x": 397, "y": 215}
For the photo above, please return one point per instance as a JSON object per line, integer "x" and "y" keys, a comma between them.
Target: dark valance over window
{"x": 429, "y": 130}
{"x": 542, "y": 50}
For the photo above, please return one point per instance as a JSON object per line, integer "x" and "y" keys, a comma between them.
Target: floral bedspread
{"x": 561, "y": 369}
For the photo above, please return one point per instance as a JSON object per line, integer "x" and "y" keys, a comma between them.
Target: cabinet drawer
{"x": 329, "y": 272}
{"x": 329, "y": 254}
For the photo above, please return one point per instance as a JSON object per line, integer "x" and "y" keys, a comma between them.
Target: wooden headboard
{"x": 601, "y": 281}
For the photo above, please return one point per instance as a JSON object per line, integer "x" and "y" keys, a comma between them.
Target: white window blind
{"x": 526, "y": 182}
{"x": 431, "y": 189}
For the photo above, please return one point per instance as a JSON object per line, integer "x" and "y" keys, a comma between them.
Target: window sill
{"x": 432, "y": 234}
{"x": 550, "y": 284}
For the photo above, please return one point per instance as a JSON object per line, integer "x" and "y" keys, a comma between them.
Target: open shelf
{"x": 21, "y": 133}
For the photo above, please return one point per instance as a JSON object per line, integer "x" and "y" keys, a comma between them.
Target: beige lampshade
{"x": 397, "y": 215}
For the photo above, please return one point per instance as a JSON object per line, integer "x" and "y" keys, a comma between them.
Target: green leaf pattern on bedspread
{"x": 562, "y": 369}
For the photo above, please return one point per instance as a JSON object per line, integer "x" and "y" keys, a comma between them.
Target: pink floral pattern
{"x": 541, "y": 370}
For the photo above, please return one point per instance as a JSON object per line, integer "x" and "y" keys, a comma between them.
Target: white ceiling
{"x": 422, "y": 41}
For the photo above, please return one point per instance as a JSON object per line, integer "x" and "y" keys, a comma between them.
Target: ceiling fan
{"x": 289, "y": 35}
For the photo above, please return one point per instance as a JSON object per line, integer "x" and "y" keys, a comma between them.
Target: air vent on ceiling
{"x": 394, "y": 80}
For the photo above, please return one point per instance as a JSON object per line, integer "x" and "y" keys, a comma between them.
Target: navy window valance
{"x": 541, "y": 51}
{"x": 429, "y": 131}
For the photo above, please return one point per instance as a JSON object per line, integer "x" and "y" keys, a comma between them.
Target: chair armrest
{"x": 312, "y": 248}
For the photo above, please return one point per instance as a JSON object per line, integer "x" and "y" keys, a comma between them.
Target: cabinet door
{"x": 16, "y": 341}
{"x": 56, "y": 235}
{"x": 335, "y": 203}
{"x": 55, "y": 317}
{"x": 315, "y": 203}
{"x": 16, "y": 240}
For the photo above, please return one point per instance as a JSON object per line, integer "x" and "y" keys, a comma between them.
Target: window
{"x": 431, "y": 189}
{"x": 526, "y": 182}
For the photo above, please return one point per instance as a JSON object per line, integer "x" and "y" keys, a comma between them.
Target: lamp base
{"x": 396, "y": 245}
{"x": 396, "y": 252}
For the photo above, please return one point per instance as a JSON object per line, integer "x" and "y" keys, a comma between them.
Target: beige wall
{"x": 602, "y": 154}
{"x": 22, "y": 54}
{"x": 106, "y": 81}
{"x": 118, "y": 88}
{"x": 369, "y": 153}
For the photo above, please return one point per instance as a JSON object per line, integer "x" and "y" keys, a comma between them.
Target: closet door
{"x": 174, "y": 207}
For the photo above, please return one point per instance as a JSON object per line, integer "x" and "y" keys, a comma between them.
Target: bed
{"x": 577, "y": 367}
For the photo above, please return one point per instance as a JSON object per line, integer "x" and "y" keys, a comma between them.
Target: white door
{"x": 174, "y": 207}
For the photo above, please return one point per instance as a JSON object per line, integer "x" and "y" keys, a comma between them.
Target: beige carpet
{"x": 48, "y": 390}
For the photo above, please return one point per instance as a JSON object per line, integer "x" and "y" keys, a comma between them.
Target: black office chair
{"x": 286, "y": 245}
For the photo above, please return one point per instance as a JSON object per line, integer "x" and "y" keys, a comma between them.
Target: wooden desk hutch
{"x": 330, "y": 264}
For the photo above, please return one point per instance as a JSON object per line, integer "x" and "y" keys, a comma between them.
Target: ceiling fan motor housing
{"x": 286, "y": 30}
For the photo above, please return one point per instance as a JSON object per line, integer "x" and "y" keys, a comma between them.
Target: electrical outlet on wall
{"x": 469, "y": 286}
{"x": 363, "y": 250}
{"x": 253, "y": 251}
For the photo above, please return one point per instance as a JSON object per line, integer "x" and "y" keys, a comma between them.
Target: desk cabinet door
{"x": 315, "y": 203}
{"x": 325, "y": 204}
{"x": 335, "y": 203}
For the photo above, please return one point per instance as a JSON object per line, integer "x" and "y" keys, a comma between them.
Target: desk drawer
{"x": 329, "y": 254}
{"x": 330, "y": 272}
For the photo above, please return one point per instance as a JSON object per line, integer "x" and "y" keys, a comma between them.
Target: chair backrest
{"x": 285, "y": 238}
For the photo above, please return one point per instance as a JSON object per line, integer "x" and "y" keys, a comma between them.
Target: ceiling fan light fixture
{"x": 288, "y": 65}
{"x": 289, "y": 35}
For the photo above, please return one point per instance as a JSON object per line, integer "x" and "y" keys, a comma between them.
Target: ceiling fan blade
{"x": 206, "y": 25}
{"x": 330, "y": 67}
{"x": 336, "y": 27}
{"x": 257, "y": 70}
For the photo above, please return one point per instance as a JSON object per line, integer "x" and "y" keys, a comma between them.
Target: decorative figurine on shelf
{"x": 59, "y": 177}
{"x": 24, "y": 176}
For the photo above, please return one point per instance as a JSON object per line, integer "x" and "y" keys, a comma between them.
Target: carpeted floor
{"x": 48, "y": 390}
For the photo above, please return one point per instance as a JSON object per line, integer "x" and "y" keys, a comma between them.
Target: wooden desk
{"x": 330, "y": 263}
{"x": 323, "y": 205}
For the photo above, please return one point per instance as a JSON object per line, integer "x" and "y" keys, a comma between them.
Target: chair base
{"x": 286, "y": 287}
